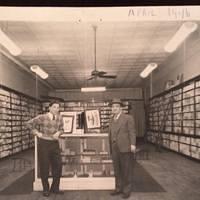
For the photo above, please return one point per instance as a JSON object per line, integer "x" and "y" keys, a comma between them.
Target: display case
{"x": 86, "y": 163}
{"x": 182, "y": 125}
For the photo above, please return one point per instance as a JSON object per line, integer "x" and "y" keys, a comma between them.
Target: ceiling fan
{"x": 95, "y": 73}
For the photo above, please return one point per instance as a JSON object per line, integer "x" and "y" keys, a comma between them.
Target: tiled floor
{"x": 179, "y": 176}
{"x": 8, "y": 173}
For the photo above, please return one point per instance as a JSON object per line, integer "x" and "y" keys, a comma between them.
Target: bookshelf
{"x": 16, "y": 108}
{"x": 182, "y": 127}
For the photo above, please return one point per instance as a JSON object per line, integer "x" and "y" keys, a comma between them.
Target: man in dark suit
{"x": 122, "y": 138}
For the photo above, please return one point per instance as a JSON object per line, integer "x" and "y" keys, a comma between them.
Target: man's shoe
{"x": 125, "y": 196}
{"x": 59, "y": 192}
{"x": 46, "y": 193}
{"x": 115, "y": 192}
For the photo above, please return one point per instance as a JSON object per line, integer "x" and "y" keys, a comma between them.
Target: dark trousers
{"x": 49, "y": 157}
{"x": 123, "y": 169}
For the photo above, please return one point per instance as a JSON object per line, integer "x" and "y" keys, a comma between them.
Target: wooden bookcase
{"x": 182, "y": 127}
{"x": 15, "y": 109}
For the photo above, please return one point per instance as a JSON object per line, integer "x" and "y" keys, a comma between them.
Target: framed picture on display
{"x": 69, "y": 117}
{"x": 68, "y": 123}
{"x": 92, "y": 118}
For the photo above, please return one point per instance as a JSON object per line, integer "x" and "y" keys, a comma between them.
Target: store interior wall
{"x": 12, "y": 76}
{"x": 185, "y": 60}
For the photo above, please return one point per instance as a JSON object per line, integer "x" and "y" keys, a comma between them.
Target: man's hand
{"x": 56, "y": 135}
{"x": 133, "y": 148}
{"x": 37, "y": 133}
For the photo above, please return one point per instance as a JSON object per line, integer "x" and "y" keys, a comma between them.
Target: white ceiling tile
{"x": 66, "y": 50}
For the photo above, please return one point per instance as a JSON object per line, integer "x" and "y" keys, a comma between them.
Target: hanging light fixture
{"x": 149, "y": 68}
{"x": 93, "y": 89}
{"x": 184, "y": 31}
{"x": 9, "y": 44}
{"x": 39, "y": 71}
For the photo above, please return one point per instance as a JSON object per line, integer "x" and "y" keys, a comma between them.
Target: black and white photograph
{"x": 68, "y": 123}
{"x": 92, "y": 119}
{"x": 100, "y": 103}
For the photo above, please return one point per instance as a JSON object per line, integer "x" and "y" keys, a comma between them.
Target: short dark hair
{"x": 54, "y": 102}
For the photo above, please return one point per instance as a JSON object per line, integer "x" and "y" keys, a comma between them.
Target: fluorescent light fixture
{"x": 40, "y": 72}
{"x": 9, "y": 44}
{"x": 150, "y": 67}
{"x": 93, "y": 89}
{"x": 184, "y": 31}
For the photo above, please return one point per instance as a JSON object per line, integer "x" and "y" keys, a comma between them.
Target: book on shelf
{"x": 89, "y": 152}
{"x": 103, "y": 153}
{"x": 106, "y": 161}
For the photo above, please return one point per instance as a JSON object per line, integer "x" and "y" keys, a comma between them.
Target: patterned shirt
{"x": 46, "y": 125}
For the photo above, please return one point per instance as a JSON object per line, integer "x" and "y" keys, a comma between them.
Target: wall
{"x": 185, "y": 60}
{"x": 16, "y": 78}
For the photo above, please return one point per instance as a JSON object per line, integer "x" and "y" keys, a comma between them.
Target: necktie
{"x": 54, "y": 117}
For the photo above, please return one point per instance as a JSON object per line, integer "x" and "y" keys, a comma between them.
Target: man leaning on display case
{"x": 48, "y": 127}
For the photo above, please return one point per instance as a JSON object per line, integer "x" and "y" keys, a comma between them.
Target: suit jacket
{"x": 125, "y": 133}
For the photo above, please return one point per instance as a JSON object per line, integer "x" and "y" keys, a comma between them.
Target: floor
{"x": 179, "y": 176}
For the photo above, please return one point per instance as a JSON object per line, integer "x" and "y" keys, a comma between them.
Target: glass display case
{"x": 86, "y": 163}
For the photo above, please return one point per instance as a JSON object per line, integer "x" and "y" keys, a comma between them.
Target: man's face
{"x": 54, "y": 108}
{"x": 116, "y": 109}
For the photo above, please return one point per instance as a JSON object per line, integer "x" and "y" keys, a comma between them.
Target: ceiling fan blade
{"x": 101, "y": 73}
{"x": 92, "y": 77}
{"x": 108, "y": 76}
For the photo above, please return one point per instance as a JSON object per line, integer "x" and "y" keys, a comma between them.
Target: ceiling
{"x": 65, "y": 50}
